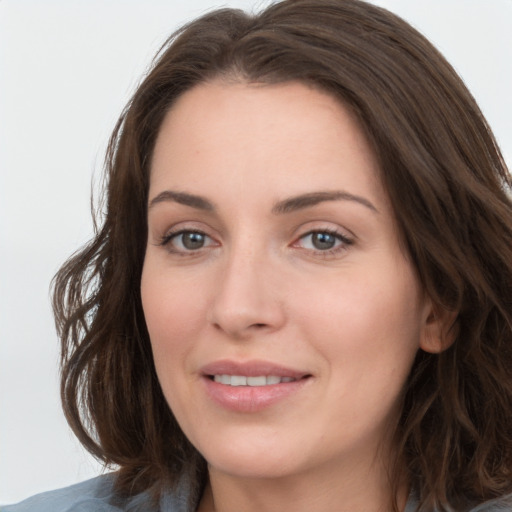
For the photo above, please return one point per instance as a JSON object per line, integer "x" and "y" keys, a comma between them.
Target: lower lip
{"x": 251, "y": 398}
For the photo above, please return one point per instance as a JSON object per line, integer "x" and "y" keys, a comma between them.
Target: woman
{"x": 300, "y": 294}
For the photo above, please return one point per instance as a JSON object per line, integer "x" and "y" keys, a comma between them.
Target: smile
{"x": 243, "y": 380}
{"x": 252, "y": 386}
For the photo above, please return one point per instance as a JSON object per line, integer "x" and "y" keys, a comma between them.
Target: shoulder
{"x": 502, "y": 504}
{"x": 90, "y": 495}
{"x": 96, "y": 495}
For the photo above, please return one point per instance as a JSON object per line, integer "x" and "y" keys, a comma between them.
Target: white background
{"x": 66, "y": 70}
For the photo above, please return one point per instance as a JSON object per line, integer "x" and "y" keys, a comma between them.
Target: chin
{"x": 251, "y": 459}
{"x": 252, "y": 468}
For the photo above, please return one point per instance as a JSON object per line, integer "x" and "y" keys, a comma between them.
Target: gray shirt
{"x": 96, "y": 496}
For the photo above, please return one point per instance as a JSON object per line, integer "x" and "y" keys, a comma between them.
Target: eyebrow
{"x": 313, "y": 198}
{"x": 198, "y": 202}
{"x": 289, "y": 205}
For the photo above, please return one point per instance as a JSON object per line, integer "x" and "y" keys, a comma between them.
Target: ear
{"x": 440, "y": 329}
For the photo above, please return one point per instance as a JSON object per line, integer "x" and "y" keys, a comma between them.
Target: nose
{"x": 248, "y": 299}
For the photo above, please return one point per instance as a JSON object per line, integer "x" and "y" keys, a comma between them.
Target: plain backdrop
{"x": 67, "y": 68}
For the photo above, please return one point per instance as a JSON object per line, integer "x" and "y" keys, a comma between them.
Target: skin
{"x": 257, "y": 286}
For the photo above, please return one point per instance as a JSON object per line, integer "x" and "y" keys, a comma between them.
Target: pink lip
{"x": 251, "y": 369}
{"x": 251, "y": 398}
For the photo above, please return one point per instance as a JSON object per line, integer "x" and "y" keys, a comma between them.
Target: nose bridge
{"x": 247, "y": 297}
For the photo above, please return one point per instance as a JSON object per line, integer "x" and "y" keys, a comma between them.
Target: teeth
{"x": 225, "y": 379}
{"x": 238, "y": 380}
{"x": 242, "y": 380}
{"x": 257, "y": 381}
{"x": 273, "y": 379}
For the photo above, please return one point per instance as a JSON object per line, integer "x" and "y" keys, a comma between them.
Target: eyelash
{"x": 343, "y": 246}
{"x": 166, "y": 240}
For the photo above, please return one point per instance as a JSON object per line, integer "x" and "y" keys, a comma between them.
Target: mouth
{"x": 252, "y": 386}
{"x": 254, "y": 373}
{"x": 256, "y": 381}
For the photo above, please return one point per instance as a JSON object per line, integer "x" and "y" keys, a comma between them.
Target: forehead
{"x": 287, "y": 137}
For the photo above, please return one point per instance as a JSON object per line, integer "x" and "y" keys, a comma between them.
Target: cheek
{"x": 365, "y": 317}
{"x": 174, "y": 315}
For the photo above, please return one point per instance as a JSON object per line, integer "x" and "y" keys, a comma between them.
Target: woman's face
{"x": 283, "y": 315}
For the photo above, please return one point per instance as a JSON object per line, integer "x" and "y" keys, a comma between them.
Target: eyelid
{"x": 166, "y": 240}
{"x": 337, "y": 234}
{"x": 170, "y": 235}
{"x": 166, "y": 228}
{"x": 344, "y": 238}
{"x": 344, "y": 241}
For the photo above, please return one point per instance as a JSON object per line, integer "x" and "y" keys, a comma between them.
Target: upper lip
{"x": 254, "y": 368}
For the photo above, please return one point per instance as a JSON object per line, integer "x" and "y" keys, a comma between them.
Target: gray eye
{"x": 323, "y": 241}
{"x": 192, "y": 240}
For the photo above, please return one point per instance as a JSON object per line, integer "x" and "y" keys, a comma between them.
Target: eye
{"x": 186, "y": 241}
{"x": 325, "y": 241}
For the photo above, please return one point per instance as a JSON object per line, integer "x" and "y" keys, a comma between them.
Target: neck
{"x": 354, "y": 488}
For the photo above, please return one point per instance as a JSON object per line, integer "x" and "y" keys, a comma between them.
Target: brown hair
{"x": 448, "y": 185}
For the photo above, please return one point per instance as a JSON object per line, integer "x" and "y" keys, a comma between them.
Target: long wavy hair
{"x": 449, "y": 188}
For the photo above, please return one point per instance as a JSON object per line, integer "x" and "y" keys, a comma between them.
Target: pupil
{"x": 323, "y": 241}
{"x": 193, "y": 240}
